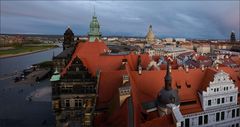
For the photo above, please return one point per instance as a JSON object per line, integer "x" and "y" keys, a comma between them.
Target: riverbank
{"x": 19, "y": 51}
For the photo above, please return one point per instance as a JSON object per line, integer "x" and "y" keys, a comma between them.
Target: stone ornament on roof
{"x": 221, "y": 77}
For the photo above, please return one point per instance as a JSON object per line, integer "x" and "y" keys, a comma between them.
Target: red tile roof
{"x": 144, "y": 87}
{"x": 165, "y": 121}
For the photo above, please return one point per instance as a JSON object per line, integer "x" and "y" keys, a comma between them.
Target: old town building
{"x": 100, "y": 88}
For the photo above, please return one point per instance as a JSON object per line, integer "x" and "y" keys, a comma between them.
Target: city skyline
{"x": 189, "y": 19}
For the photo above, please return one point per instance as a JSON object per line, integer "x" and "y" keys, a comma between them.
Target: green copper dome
{"x": 94, "y": 32}
{"x": 55, "y": 77}
{"x": 94, "y": 23}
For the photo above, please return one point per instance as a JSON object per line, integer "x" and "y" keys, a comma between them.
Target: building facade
{"x": 219, "y": 102}
{"x": 99, "y": 88}
{"x": 74, "y": 96}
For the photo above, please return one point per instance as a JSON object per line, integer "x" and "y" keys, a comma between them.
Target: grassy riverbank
{"x": 22, "y": 50}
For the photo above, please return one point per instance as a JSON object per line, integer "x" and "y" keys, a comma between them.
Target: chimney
{"x": 139, "y": 65}
{"x": 139, "y": 70}
{"x": 186, "y": 68}
{"x": 216, "y": 66}
{"x": 226, "y": 57}
{"x": 202, "y": 67}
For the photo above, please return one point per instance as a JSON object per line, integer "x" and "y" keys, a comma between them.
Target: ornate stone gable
{"x": 220, "y": 92}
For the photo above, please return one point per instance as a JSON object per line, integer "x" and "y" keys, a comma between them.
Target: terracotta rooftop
{"x": 144, "y": 87}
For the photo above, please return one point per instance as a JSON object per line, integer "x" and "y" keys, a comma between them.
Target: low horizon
{"x": 183, "y": 19}
{"x": 163, "y": 37}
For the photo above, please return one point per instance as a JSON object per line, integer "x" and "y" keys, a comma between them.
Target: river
{"x": 18, "y": 63}
{"x": 15, "y": 110}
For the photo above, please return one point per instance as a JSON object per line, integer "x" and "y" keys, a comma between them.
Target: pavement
{"x": 17, "y": 111}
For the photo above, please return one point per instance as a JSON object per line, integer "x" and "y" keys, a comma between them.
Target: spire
{"x": 94, "y": 12}
{"x": 168, "y": 78}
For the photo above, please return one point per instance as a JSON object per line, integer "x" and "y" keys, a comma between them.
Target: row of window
{"x": 218, "y": 116}
{"x": 224, "y": 89}
{"x": 86, "y": 89}
{"x": 77, "y": 103}
{"x": 237, "y": 125}
{"x": 220, "y": 100}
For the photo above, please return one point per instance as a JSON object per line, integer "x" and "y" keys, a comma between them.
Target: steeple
{"x": 94, "y": 32}
{"x": 94, "y": 13}
{"x": 168, "y": 78}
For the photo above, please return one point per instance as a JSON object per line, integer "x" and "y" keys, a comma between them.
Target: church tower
{"x": 94, "y": 32}
{"x": 150, "y": 37}
{"x": 232, "y": 37}
{"x": 68, "y": 38}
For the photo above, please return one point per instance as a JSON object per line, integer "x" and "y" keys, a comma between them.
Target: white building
{"x": 219, "y": 104}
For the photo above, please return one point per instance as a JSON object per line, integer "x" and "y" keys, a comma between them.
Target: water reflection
{"x": 13, "y": 64}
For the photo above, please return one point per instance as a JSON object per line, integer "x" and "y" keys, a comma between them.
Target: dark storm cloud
{"x": 208, "y": 19}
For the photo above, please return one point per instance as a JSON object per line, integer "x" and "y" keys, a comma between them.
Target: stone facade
{"x": 74, "y": 96}
{"x": 219, "y": 104}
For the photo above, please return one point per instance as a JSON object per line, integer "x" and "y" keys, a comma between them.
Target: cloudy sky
{"x": 213, "y": 19}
